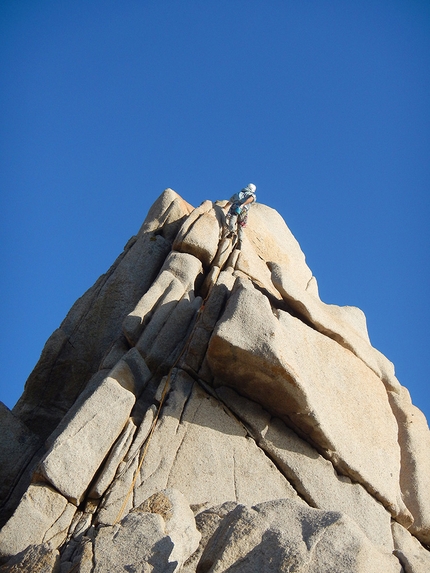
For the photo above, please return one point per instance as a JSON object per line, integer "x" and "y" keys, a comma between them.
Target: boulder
{"x": 163, "y": 340}
{"x": 273, "y": 241}
{"x": 207, "y": 522}
{"x": 117, "y": 500}
{"x": 200, "y": 234}
{"x": 158, "y": 535}
{"x": 283, "y": 535}
{"x": 210, "y": 458}
{"x": 250, "y": 264}
{"x": 115, "y": 457}
{"x": 179, "y": 520}
{"x": 214, "y": 305}
{"x": 166, "y": 215}
{"x": 138, "y": 543}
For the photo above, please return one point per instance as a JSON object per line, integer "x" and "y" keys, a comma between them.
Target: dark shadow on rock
{"x": 160, "y": 554}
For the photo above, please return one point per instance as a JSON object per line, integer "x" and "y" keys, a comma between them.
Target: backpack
{"x": 241, "y": 197}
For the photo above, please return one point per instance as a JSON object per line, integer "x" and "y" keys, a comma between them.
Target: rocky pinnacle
{"x": 201, "y": 410}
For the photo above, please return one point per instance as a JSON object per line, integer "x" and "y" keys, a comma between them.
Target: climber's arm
{"x": 249, "y": 200}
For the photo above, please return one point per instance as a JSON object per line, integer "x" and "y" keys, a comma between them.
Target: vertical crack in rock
{"x": 184, "y": 409}
{"x": 236, "y": 495}
{"x": 267, "y": 453}
{"x": 283, "y": 428}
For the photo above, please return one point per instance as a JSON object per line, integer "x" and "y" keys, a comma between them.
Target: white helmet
{"x": 252, "y": 187}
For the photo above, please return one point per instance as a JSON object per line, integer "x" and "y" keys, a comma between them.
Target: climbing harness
{"x": 238, "y": 212}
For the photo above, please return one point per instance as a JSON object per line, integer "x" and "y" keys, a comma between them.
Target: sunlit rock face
{"x": 200, "y": 409}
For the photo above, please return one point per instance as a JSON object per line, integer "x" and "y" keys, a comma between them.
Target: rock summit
{"x": 201, "y": 410}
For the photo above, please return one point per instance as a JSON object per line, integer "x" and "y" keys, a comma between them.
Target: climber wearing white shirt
{"x": 239, "y": 204}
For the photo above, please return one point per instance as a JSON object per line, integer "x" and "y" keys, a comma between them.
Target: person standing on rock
{"x": 239, "y": 204}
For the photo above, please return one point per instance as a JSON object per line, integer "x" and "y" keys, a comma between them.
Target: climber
{"x": 238, "y": 207}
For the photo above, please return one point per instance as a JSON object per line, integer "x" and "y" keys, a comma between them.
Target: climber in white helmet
{"x": 238, "y": 207}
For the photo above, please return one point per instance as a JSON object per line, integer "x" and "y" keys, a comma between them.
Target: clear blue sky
{"x": 324, "y": 104}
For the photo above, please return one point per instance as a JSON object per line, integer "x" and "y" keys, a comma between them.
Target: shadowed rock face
{"x": 74, "y": 351}
{"x": 200, "y": 409}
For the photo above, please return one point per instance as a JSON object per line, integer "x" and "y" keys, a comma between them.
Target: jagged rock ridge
{"x": 200, "y": 409}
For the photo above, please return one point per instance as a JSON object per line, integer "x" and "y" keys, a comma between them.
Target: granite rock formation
{"x": 201, "y": 410}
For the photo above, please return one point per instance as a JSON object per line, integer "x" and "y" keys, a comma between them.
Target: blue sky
{"x": 324, "y": 104}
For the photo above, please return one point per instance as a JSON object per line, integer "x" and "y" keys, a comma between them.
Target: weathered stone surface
{"x": 17, "y": 445}
{"x": 283, "y": 535}
{"x": 176, "y": 279}
{"x": 118, "y": 500}
{"x": 209, "y": 457}
{"x": 313, "y": 476}
{"x": 164, "y": 338}
{"x": 250, "y": 263}
{"x": 93, "y": 384}
{"x": 411, "y": 554}
{"x": 88, "y": 433}
{"x": 83, "y": 557}
{"x": 141, "y": 434}
{"x": 207, "y": 523}
{"x": 225, "y": 256}
{"x": 200, "y": 234}
{"x": 414, "y": 439}
{"x": 273, "y": 241}
{"x": 132, "y": 368}
{"x": 345, "y": 324}
{"x": 180, "y": 524}
{"x": 307, "y": 378}
{"x": 138, "y": 543}
{"x": 157, "y": 536}
{"x": 338, "y": 322}
{"x": 115, "y": 457}
{"x": 200, "y": 450}
{"x": 36, "y": 520}
{"x": 74, "y": 351}
{"x": 34, "y": 559}
{"x": 115, "y": 353}
{"x": 57, "y": 533}
{"x": 208, "y": 318}
{"x": 272, "y": 398}
{"x": 166, "y": 215}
